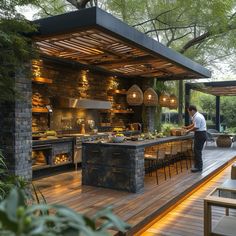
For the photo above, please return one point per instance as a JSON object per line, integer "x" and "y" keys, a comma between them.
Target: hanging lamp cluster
{"x": 136, "y": 97}
{"x": 169, "y": 101}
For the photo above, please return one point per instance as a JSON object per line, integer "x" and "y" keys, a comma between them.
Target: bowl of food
{"x": 118, "y": 138}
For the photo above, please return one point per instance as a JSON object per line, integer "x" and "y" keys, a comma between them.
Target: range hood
{"x": 65, "y": 102}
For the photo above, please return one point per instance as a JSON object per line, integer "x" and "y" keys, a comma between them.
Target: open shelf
{"x": 39, "y": 110}
{"x": 42, "y": 80}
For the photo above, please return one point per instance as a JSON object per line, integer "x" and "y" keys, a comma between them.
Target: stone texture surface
{"x": 113, "y": 167}
{"x": 75, "y": 82}
{"x": 16, "y": 135}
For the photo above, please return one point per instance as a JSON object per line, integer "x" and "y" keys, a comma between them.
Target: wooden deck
{"x": 187, "y": 218}
{"x": 137, "y": 209}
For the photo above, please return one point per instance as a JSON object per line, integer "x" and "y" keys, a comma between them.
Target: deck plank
{"x": 187, "y": 217}
{"x": 135, "y": 208}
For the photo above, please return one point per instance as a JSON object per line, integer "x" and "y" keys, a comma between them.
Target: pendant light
{"x": 173, "y": 104}
{"x": 164, "y": 100}
{"x": 134, "y": 96}
{"x": 150, "y": 97}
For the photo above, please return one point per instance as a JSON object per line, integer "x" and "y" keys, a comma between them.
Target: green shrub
{"x": 8, "y": 181}
{"x": 20, "y": 216}
{"x": 19, "y": 219}
{"x": 166, "y": 127}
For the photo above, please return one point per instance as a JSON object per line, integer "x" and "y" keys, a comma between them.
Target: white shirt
{"x": 199, "y": 121}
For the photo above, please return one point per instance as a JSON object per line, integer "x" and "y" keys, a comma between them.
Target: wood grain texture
{"x": 139, "y": 209}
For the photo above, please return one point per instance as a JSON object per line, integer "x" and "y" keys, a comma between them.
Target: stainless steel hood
{"x": 65, "y": 102}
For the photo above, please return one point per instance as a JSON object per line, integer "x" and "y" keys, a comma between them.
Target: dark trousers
{"x": 199, "y": 140}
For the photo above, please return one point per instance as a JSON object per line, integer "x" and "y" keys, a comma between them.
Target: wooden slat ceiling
{"x": 99, "y": 49}
{"x": 220, "y": 91}
{"x": 217, "y": 88}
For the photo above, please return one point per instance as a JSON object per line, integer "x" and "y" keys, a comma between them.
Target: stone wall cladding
{"x": 16, "y": 135}
{"x": 113, "y": 167}
{"x": 76, "y": 82}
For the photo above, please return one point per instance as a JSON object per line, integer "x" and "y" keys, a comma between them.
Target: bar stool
{"x": 154, "y": 160}
{"x": 187, "y": 151}
{"x": 171, "y": 155}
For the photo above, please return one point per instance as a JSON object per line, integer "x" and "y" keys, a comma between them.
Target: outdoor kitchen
{"x": 70, "y": 105}
{"x": 93, "y": 85}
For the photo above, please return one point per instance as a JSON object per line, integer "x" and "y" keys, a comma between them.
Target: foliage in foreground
{"x": 9, "y": 181}
{"x": 19, "y": 219}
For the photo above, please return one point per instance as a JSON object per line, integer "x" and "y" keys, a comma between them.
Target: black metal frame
{"x": 198, "y": 86}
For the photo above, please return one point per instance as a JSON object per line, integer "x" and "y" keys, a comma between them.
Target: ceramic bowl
{"x": 118, "y": 139}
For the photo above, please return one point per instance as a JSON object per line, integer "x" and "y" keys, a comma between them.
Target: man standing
{"x": 199, "y": 127}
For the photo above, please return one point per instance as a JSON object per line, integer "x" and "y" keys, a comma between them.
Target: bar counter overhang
{"x": 118, "y": 165}
{"x": 95, "y": 38}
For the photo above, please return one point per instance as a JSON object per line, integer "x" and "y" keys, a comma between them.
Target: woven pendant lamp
{"x": 164, "y": 100}
{"x": 134, "y": 96}
{"x": 173, "y": 104}
{"x": 150, "y": 97}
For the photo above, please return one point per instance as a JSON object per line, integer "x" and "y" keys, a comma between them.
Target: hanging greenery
{"x": 16, "y": 48}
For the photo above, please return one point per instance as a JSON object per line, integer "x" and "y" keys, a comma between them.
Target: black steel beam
{"x": 187, "y": 103}
{"x": 218, "y": 113}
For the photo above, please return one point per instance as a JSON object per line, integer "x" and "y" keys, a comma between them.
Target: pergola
{"x": 96, "y": 39}
{"x": 217, "y": 88}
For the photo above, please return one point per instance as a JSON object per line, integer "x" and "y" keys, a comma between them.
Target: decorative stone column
{"x": 15, "y": 123}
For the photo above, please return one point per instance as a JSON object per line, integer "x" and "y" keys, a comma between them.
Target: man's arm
{"x": 190, "y": 128}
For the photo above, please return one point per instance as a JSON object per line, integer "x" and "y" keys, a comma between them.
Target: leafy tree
{"x": 16, "y": 48}
{"x": 208, "y": 105}
{"x": 206, "y": 35}
{"x": 228, "y": 110}
{"x": 202, "y": 30}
